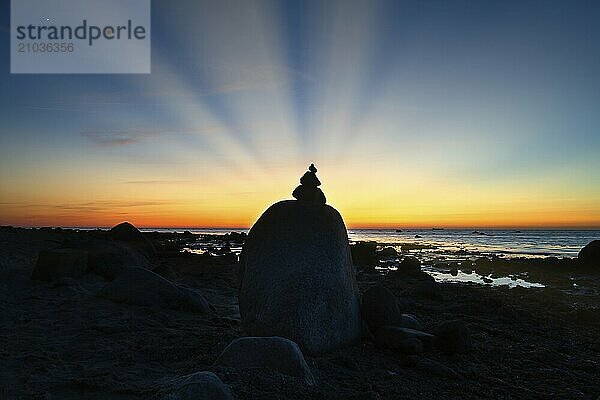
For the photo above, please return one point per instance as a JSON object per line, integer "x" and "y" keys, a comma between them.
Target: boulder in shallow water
{"x": 199, "y": 386}
{"x": 60, "y": 263}
{"x": 590, "y": 254}
{"x": 409, "y": 266}
{"x": 297, "y": 278}
{"x": 276, "y": 353}
{"x": 139, "y": 286}
{"x": 388, "y": 252}
{"x": 126, "y": 232}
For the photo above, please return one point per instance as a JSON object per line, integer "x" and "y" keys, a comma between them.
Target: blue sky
{"x": 472, "y": 95}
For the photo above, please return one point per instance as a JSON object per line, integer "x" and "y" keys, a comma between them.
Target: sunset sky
{"x": 417, "y": 114}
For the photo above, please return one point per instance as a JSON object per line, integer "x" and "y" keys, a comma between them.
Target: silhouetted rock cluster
{"x": 296, "y": 276}
{"x": 404, "y": 333}
{"x": 309, "y": 187}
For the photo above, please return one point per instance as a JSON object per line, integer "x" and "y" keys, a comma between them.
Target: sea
{"x": 503, "y": 242}
{"x": 434, "y": 245}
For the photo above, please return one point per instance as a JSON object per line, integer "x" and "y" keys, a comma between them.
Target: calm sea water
{"x": 527, "y": 243}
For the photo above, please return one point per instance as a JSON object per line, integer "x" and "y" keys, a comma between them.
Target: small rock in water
{"x": 388, "y": 252}
{"x": 273, "y": 352}
{"x": 409, "y": 265}
{"x": 200, "y": 386}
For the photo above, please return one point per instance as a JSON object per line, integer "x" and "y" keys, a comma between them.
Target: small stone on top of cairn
{"x": 308, "y": 189}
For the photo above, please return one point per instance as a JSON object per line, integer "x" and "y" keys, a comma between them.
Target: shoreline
{"x": 60, "y": 340}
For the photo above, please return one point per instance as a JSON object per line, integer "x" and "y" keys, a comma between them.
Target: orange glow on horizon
{"x": 366, "y": 199}
{"x": 165, "y": 217}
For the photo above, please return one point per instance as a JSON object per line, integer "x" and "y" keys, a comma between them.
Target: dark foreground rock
{"x": 142, "y": 287}
{"x": 60, "y": 263}
{"x": 436, "y": 368}
{"x": 379, "y": 307}
{"x": 410, "y": 321}
{"x": 274, "y": 353}
{"x": 126, "y": 232}
{"x": 59, "y": 341}
{"x": 428, "y": 290}
{"x": 199, "y": 386}
{"x": 590, "y": 254}
{"x": 364, "y": 255}
{"x": 453, "y": 337}
{"x": 297, "y": 279}
{"x": 388, "y": 252}
{"x": 395, "y": 337}
{"x": 107, "y": 258}
{"x": 409, "y": 266}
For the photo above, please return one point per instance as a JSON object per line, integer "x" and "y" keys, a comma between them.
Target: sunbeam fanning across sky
{"x": 450, "y": 114}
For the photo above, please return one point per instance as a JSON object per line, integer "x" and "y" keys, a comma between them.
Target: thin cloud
{"x": 158, "y": 182}
{"x": 114, "y": 137}
{"x": 89, "y": 206}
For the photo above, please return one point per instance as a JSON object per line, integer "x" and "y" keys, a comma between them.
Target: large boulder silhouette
{"x": 60, "y": 263}
{"x": 274, "y": 353}
{"x": 590, "y": 254}
{"x": 297, "y": 279}
{"x": 139, "y": 286}
{"x": 203, "y": 385}
{"x": 126, "y": 232}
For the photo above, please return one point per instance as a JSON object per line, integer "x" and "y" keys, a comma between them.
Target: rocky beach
{"x": 300, "y": 313}
{"x": 62, "y": 339}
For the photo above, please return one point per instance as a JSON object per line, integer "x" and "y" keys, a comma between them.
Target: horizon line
{"x": 408, "y": 228}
